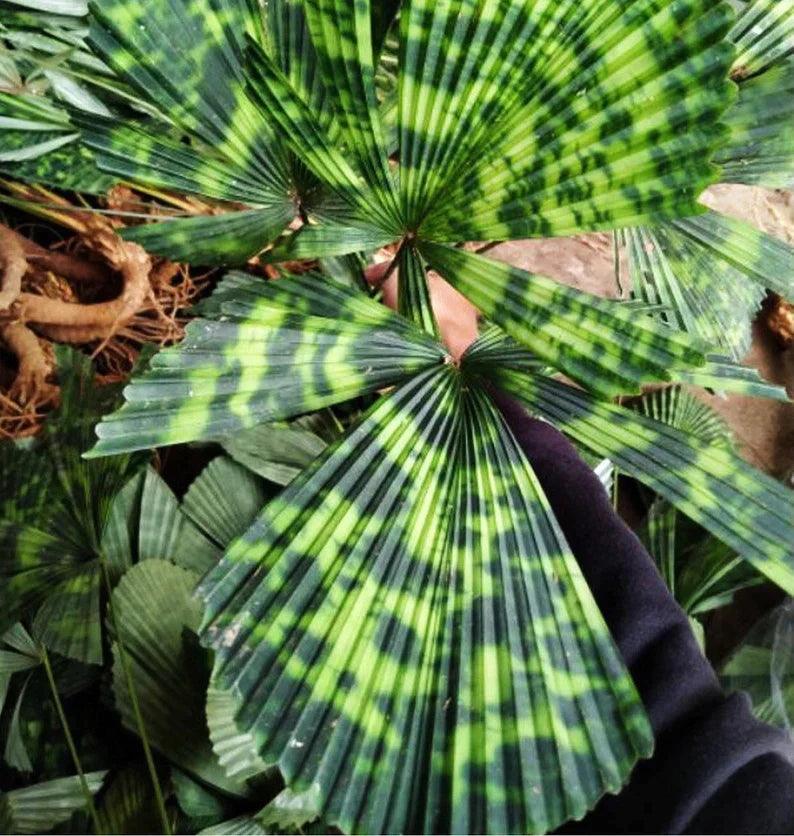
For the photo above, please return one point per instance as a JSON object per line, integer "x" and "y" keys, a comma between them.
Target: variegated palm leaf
{"x": 404, "y": 632}
{"x": 759, "y": 149}
{"x": 284, "y": 117}
{"x": 707, "y": 276}
{"x": 479, "y": 689}
{"x": 710, "y": 272}
{"x": 429, "y": 483}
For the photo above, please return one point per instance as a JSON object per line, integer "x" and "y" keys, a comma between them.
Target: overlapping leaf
{"x": 267, "y": 350}
{"x": 759, "y": 148}
{"x": 743, "y": 507}
{"x": 222, "y": 503}
{"x": 763, "y": 34}
{"x": 155, "y": 611}
{"x": 699, "y": 294}
{"x": 51, "y": 569}
{"x": 683, "y": 411}
{"x": 342, "y": 35}
{"x": 702, "y": 572}
{"x": 310, "y": 139}
{"x": 763, "y": 259}
{"x": 480, "y": 689}
{"x": 187, "y": 59}
{"x": 708, "y": 275}
{"x": 596, "y": 341}
{"x": 38, "y": 808}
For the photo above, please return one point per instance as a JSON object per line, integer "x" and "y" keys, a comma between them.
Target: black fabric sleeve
{"x": 715, "y": 769}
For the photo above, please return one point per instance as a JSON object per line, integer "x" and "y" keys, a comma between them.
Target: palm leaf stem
{"x": 89, "y": 798}
{"x": 147, "y": 749}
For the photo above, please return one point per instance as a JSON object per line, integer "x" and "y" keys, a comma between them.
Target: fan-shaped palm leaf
{"x": 743, "y": 507}
{"x": 40, "y": 807}
{"x": 335, "y": 342}
{"x": 298, "y": 675}
{"x": 154, "y": 610}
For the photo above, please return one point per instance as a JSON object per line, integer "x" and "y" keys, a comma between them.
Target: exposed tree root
{"x": 61, "y": 296}
{"x": 30, "y": 395}
{"x": 14, "y": 266}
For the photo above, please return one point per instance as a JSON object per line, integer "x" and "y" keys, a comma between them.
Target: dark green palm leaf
{"x": 276, "y": 452}
{"x": 401, "y": 705}
{"x": 38, "y": 808}
{"x": 223, "y": 502}
{"x": 270, "y": 350}
{"x": 155, "y": 611}
{"x": 52, "y": 569}
{"x": 740, "y": 505}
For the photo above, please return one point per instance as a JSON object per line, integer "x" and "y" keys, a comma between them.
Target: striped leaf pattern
{"x": 312, "y": 142}
{"x": 268, "y": 350}
{"x": 743, "y": 507}
{"x": 213, "y": 240}
{"x": 763, "y": 34}
{"x": 413, "y": 295}
{"x": 186, "y": 58}
{"x": 600, "y": 343}
{"x": 342, "y": 35}
{"x": 589, "y": 124}
{"x": 513, "y": 119}
{"x": 480, "y": 690}
{"x": 764, "y": 259}
{"x": 704, "y": 296}
{"x": 723, "y": 375}
{"x": 200, "y": 84}
{"x": 152, "y": 155}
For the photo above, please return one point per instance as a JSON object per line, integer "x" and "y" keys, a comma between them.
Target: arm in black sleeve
{"x": 715, "y": 769}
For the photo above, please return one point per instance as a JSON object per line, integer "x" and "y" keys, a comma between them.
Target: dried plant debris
{"x": 93, "y": 290}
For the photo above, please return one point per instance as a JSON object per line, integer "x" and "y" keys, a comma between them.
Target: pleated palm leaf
{"x": 54, "y": 512}
{"x": 709, "y": 274}
{"x": 46, "y": 70}
{"x": 404, "y": 631}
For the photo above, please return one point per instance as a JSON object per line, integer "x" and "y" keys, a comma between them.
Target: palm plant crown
{"x": 404, "y": 631}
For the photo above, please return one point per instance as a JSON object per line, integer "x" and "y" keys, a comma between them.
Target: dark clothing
{"x": 716, "y": 769}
